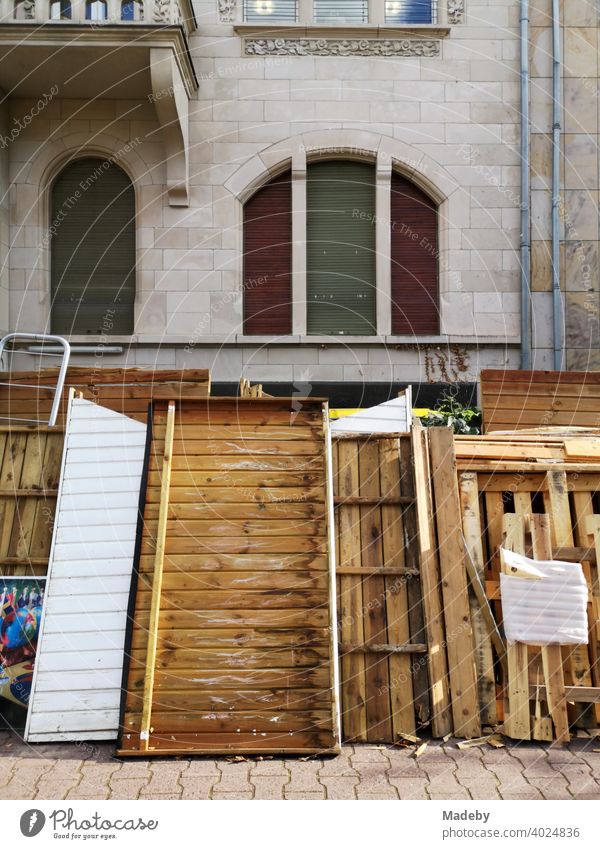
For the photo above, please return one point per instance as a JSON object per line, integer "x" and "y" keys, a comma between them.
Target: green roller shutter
{"x": 93, "y": 249}
{"x": 340, "y": 233}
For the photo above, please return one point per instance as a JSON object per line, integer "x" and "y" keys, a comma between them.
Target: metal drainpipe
{"x": 525, "y": 200}
{"x": 557, "y": 302}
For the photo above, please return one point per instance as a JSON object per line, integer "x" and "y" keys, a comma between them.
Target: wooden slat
{"x": 413, "y": 586}
{"x": 157, "y": 580}
{"x": 578, "y": 661}
{"x": 517, "y": 716}
{"x": 459, "y": 635}
{"x": 484, "y": 661}
{"x": 551, "y": 655}
{"x": 432, "y": 603}
{"x": 353, "y": 682}
{"x": 379, "y": 725}
{"x": 385, "y": 648}
{"x": 402, "y": 698}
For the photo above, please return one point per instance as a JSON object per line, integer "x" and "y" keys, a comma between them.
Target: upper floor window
{"x": 351, "y": 12}
{"x": 262, "y": 11}
{"x": 132, "y": 10}
{"x": 92, "y": 251}
{"x": 341, "y": 11}
{"x": 60, "y": 10}
{"x": 96, "y": 10}
{"x": 411, "y": 11}
{"x": 341, "y": 284}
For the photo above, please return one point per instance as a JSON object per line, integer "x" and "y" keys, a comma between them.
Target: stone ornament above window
{"x": 341, "y": 47}
{"x": 456, "y": 11}
{"x": 227, "y": 11}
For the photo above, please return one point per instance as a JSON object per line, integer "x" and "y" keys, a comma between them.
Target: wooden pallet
{"x": 510, "y": 479}
{"x": 231, "y": 648}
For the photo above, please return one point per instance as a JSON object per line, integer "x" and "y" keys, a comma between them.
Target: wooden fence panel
{"x": 524, "y": 399}
{"x": 384, "y": 690}
{"x": 243, "y": 651}
{"x": 30, "y": 460}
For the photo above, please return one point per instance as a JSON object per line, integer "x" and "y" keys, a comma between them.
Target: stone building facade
{"x": 201, "y": 105}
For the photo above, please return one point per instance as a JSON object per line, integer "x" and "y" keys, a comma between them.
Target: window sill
{"x": 342, "y": 30}
{"x": 223, "y": 340}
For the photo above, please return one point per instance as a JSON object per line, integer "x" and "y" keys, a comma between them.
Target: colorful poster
{"x": 21, "y": 602}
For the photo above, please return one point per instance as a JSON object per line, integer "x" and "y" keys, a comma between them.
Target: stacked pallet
{"x": 523, "y": 399}
{"x": 507, "y": 484}
{"x": 231, "y": 646}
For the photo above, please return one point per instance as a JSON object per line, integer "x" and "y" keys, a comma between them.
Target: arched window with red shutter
{"x": 415, "y": 260}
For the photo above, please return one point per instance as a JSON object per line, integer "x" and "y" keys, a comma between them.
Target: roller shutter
{"x": 341, "y": 248}
{"x": 93, "y": 249}
{"x": 268, "y": 259}
{"x": 414, "y": 253}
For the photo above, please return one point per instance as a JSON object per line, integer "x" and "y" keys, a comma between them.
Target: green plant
{"x": 451, "y": 413}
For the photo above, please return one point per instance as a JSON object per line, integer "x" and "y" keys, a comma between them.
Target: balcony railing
{"x": 353, "y": 12}
{"x": 98, "y": 12}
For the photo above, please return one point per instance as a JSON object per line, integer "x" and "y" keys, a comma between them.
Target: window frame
{"x": 376, "y": 15}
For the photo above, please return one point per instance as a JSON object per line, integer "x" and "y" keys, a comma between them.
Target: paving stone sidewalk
{"x": 89, "y": 771}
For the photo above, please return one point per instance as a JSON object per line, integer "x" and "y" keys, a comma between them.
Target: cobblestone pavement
{"x": 89, "y": 771}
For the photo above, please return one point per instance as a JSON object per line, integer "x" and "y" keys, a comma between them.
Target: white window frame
{"x": 305, "y": 16}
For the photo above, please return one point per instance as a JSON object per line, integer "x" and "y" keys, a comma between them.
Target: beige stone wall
{"x": 452, "y": 120}
{"x": 578, "y": 185}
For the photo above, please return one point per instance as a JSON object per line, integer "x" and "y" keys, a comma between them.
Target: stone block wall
{"x": 579, "y": 182}
{"x": 451, "y": 119}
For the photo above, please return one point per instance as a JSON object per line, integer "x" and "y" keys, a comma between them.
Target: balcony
{"x": 118, "y": 49}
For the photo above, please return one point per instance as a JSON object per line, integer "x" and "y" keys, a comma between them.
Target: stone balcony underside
{"x": 83, "y": 57}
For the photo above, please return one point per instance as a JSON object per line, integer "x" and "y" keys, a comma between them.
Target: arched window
{"x": 268, "y": 258}
{"x": 60, "y": 10}
{"x": 92, "y": 234}
{"x": 341, "y": 281}
{"x": 415, "y": 259}
{"x": 96, "y": 10}
{"x": 132, "y": 10}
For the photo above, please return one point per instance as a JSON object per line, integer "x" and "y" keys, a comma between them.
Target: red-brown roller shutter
{"x": 415, "y": 299}
{"x": 268, "y": 258}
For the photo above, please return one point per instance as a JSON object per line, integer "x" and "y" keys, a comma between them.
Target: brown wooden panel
{"x": 518, "y": 399}
{"x": 244, "y": 603}
{"x": 124, "y": 390}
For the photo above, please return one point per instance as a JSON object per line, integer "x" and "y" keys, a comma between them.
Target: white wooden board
{"x": 76, "y": 687}
{"x": 393, "y": 416}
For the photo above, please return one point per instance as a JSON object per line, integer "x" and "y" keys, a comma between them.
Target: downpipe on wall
{"x": 557, "y": 300}
{"x": 525, "y": 247}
